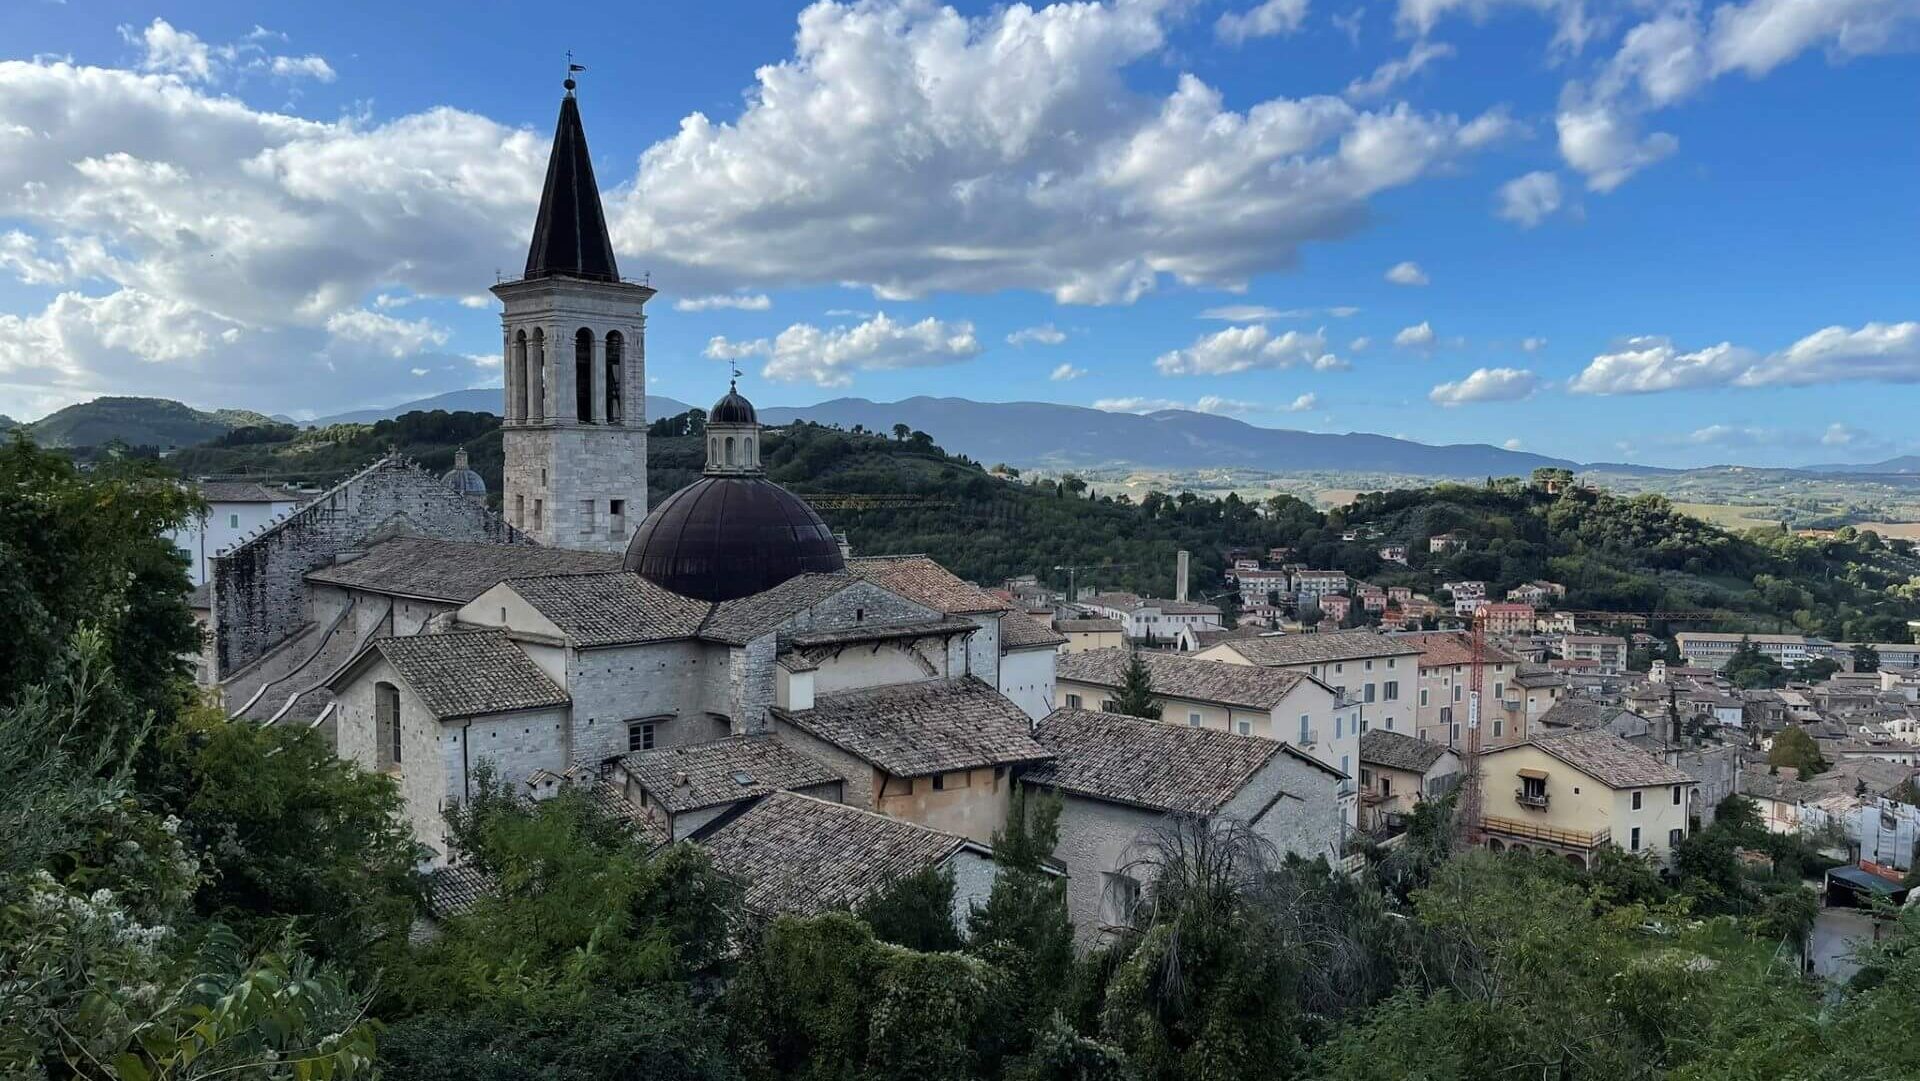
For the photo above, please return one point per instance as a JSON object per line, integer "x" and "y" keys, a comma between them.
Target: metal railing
{"x": 1530, "y": 799}
{"x": 1513, "y": 827}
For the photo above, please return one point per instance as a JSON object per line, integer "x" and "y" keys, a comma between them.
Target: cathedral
{"x": 688, "y": 665}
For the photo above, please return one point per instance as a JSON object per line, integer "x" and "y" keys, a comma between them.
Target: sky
{"x": 1669, "y": 233}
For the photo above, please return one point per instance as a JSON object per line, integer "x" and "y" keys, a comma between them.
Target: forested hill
{"x": 1614, "y": 554}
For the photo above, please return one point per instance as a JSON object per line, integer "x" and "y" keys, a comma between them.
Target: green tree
{"x": 1865, "y": 657}
{"x": 1793, "y": 747}
{"x": 1135, "y": 697}
{"x": 1023, "y": 929}
{"x": 652, "y": 1033}
{"x": 915, "y": 911}
{"x": 1750, "y": 669}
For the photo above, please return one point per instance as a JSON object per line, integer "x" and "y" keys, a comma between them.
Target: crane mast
{"x": 1467, "y": 810}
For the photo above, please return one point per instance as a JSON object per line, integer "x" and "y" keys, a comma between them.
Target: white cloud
{"x": 1305, "y": 403}
{"x": 1394, "y": 72}
{"x": 1044, "y": 334}
{"x": 476, "y": 301}
{"x": 1528, "y": 200}
{"x": 806, "y": 353}
{"x": 1606, "y": 145}
{"x": 1533, "y": 345}
{"x": 1066, "y": 372}
{"x": 1360, "y": 344}
{"x": 1407, "y": 273}
{"x": 302, "y": 67}
{"x": 1213, "y": 403}
{"x": 1876, "y": 352}
{"x": 1486, "y": 385}
{"x": 1418, "y": 336}
{"x": 1350, "y": 24}
{"x": 174, "y": 52}
{"x": 168, "y": 50}
{"x": 1513, "y": 444}
{"x": 745, "y": 302}
{"x": 1207, "y": 404}
{"x": 1247, "y": 313}
{"x": 419, "y": 371}
{"x": 1270, "y": 18}
{"x": 972, "y": 154}
{"x": 1238, "y": 349}
{"x": 1346, "y": 311}
{"x": 396, "y": 337}
{"x": 1840, "y": 435}
{"x": 1417, "y": 18}
{"x": 1759, "y": 36}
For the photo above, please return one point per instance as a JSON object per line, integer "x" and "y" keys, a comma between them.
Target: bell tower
{"x": 575, "y": 431}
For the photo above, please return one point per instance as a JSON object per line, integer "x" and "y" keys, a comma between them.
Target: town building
{"x": 1090, "y": 632}
{"x": 1122, "y": 779}
{"x": 1507, "y": 618}
{"x": 1398, "y": 772}
{"x": 1572, "y": 793}
{"x": 1147, "y": 619}
{"x": 1445, "y": 666}
{"x": 1710, "y": 650}
{"x": 1375, "y": 672}
{"x": 1451, "y": 541}
{"x": 235, "y": 511}
{"x": 1607, "y": 652}
{"x": 1310, "y": 585}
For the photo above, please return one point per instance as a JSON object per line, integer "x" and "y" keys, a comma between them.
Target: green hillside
{"x": 137, "y": 422}
{"x": 1635, "y": 554}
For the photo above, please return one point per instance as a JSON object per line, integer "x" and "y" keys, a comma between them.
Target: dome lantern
{"x": 733, "y": 436}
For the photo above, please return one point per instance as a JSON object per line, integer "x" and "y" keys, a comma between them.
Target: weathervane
{"x": 734, "y": 383}
{"x": 572, "y": 68}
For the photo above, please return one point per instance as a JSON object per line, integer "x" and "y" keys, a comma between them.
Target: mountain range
{"x": 1018, "y": 433}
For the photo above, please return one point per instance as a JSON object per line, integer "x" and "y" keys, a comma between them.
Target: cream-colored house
{"x": 1446, "y": 677}
{"x": 1572, "y": 793}
{"x": 1374, "y": 672}
{"x": 1091, "y": 633}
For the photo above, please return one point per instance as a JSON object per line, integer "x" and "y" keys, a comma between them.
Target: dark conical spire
{"x": 570, "y": 236}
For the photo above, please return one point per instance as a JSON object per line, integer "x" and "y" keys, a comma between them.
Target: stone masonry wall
{"x": 259, "y": 591}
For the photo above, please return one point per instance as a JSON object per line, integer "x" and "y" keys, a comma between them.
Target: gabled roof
{"x": 1581, "y": 713}
{"x": 1142, "y": 763}
{"x": 618, "y": 608}
{"x": 1246, "y": 686}
{"x": 1290, "y": 649}
{"x": 243, "y": 491}
{"x": 1606, "y": 758}
{"x": 749, "y": 617}
{"x": 454, "y": 571}
{"x": 1448, "y": 649}
{"x": 1088, "y": 625}
{"x": 918, "y": 578}
{"x": 466, "y": 674}
{"x": 570, "y": 235}
{"x": 1397, "y": 750}
{"x": 801, "y": 855}
{"x": 723, "y": 771}
{"x": 1021, "y": 631}
{"x": 916, "y": 729}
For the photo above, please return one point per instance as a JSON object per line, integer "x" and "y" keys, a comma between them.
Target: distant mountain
{"x": 476, "y": 400}
{"x": 7, "y": 422}
{"x": 1906, "y": 463}
{"x": 1067, "y": 436}
{"x": 157, "y": 422}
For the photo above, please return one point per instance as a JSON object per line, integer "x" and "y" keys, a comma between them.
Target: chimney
{"x": 1180, "y": 576}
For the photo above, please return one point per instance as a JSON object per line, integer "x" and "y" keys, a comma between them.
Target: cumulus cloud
{"x": 302, "y": 67}
{"x": 1044, "y": 334}
{"x": 1875, "y": 352}
{"x": 1840, "y": 435}
{"x": 1239, "y": 349}
{"x": 1513, "y": 444}
{"x": 1270, "y": 18}
{"x": 804, "y": 353}
{"x": 1305, "y": 403}
{"x": 1417, "y": 18}
{"x": 1529, "y": 200}
{"x": 1533, "y": 345}
{"x": 1407, "y": 273}
{"x": 1486, "y": 385}
{"x": 169, "y": 50}
{"x": 1394, "y": 72}
{"x": 1418, "y": 336}
{"x": 1007, "y": 151}
{"x": 395, "y": 337}
{"x": 1605, "y": 144}
{"x": 743, "y": 302}
{"x": 1210, "y": 403}
{"x": 1066, "y": 372}
{"x": 1360, "y": 344}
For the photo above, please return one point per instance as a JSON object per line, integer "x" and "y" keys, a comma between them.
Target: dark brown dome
{"x": 734, "y": 408}
{"x": 725, "y": 537}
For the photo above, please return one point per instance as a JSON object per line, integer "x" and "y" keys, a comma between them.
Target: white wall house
{"x": 235, "y": 510}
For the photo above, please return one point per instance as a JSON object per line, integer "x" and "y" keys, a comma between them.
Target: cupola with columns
{"x": 733, "y": 435}
{"x": 575, "y": 429}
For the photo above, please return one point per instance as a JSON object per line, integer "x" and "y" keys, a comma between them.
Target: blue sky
{"x": 1674, "y": 234}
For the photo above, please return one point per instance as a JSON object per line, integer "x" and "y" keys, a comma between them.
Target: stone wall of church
{"x": 862, "y": 780}
{"x": 670, "y": 683}
{"x": 751, "y": 684}
{"x": 259, "y": 588}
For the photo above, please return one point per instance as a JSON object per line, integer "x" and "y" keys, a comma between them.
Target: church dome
{"x": 732, "y": 409}
{"x": 463, "y": 479}
{"x": 723, "y": 537}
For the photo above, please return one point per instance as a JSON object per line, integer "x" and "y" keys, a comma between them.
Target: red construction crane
{"x": 1467, "y": 810}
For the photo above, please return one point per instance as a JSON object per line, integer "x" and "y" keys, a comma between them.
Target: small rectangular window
{"x": 1423, "y": 698}
{"x": 1369, "y": 694}
{"x": 1390, "y": 690}
{"x": 939, "y": 782}
{"x": 1073, "y": 701}
{"x": 1306, "y": 728}
{"x": 1496, "y": 728}
{"x": 233, "y": 521}
{"x": 1246, "y": 728}
{"x": 1636, "y": 799}
{"x": 641, "y": 735}
{"x": 1193, "y": 719}
{"x": 539, "y": 508}
{"x": 1676, "y": 795}
{"x": 1635, "y": 847}
{"x": 1674, "y": 837}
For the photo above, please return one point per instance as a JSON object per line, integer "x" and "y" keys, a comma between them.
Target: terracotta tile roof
{"x": 749, "y": 617}
{"x": 1243, "y": 685}
{"x": 454, "y": 571}
{"x": 1447, "y": 649}
{"x": 243, "y": 491}
{"x": 469, "y": 673}
{"x": 1162, "y": 767}
{"x": 1021, "y": 631}
{"x": 1089, "y": 625}
{"x": 1607, "y": 758}
{"x": 916, "y": 729}
{"x": 1581, "y": 713}
{"x": 1396, "y": 750}
{"x": 800, "y": 855}
{"x": 612, "y": 609}
{"x": 919, "y": 578}
{"x": 723, "y": 771}
{"x": 1291, "y": 649}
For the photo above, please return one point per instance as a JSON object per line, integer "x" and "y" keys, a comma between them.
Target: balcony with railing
{"x": 1515, "y": 829}
{"x": 1537, "y": 799}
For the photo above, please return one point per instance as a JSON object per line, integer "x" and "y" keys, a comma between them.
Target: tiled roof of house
{"x": 1088, "y": 625}
{"x": 1448, "y": 649}
{"x": 1290, "y": 649}
{"x": 243, "y": 491}
{"x": 1608, "y": 759}
{"x": 469, "y": 673}
{"x": 1246, "y": 686}
{"x": 612, "y": 609}
{"x": 1580, "y": 713}
{"x": 1209, "y": 639}
{"x": 881, "y": 632}
{"x": 1535, "y": 678}
{"x": 1021, "y": 631}
{"x": 915, "y": 729}
{"x": 751, "y": 616}
{"x": 454, "y": 571}
{"x": 723, "y": 771}
{"x": 454, "y": 889}
{"x": 1163, "y": 767}
{"x": 1396, "y": 750}
{"x": 918, "y": 578}
{"x": 800, "y": 855}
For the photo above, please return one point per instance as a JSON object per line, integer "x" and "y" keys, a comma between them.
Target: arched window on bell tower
{"x": 583, "y": 375}
{"x": 517, "y": 377}
{"x": 616, "y": 348}
{"x": 537, "y": 377}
